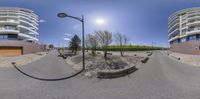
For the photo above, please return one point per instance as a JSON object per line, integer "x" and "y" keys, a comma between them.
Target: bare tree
{"x": 104, "y": 38}
{"x": 92, "y": 42}
{"x": 121, "y": 41}
{"x": 86, "y": 43}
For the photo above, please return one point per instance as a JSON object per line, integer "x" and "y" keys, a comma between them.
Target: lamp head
{"x": 62, "y": 15}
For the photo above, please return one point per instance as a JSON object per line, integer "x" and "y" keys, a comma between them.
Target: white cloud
{"x": 66, "y": 39}
{"x": 77, "y": 26}
{"x": 42, "y": 21}
{"x": 68, "y": 34}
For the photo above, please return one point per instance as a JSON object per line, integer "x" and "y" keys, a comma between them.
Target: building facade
{"x": 184, "y": 31}
{"x": 18, "y": 23}
{"x": 18, "y": 31}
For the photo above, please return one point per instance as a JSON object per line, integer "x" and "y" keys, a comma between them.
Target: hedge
{"x": 131, "y": 48}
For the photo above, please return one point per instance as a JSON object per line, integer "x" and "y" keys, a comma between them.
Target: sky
{"x": 142, "y": 21}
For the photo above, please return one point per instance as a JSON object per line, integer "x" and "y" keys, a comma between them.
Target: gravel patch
{"x": 113, "y": 62}
{"x": 5, "y": 61}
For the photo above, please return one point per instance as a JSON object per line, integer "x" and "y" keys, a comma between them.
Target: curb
{"x": 116, "y": 74}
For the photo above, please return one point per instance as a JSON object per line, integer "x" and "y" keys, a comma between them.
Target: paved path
{"x": 49, "y": 67}
{"x": 160, "y": 78}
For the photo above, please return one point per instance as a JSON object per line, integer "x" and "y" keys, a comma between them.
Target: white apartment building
{"x": 184, "y": 31}
{"x": 18, "y": 24}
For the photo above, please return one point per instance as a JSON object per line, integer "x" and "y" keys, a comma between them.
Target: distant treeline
{"x": 131, "y": 48}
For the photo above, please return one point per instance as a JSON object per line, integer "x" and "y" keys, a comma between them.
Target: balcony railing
{"x": 173, "y": 32}
{"x": 173, "y": 38}
{"x": 28, "y": 28}
{"x": 8, "y": 28}
{"x": 8, "y": 20}
{"x": 193, "y": 22}
{"x": 193, "y": 29}
{"x": 175, "y": 25}
{"x": 16, "y": 15}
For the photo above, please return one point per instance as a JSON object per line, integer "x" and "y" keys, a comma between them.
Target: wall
{"x": 190, "y": 47}
{"x": 28, "y": 47}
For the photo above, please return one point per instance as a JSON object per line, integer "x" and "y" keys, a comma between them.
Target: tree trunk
{"x": 93, "y": 52}
{"x": 105, "y": 54}
{"x": 75, "y": 50}
{"x": 121, "y": 52}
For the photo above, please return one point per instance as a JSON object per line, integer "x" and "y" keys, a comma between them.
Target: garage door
{"x": 10, "y": 50}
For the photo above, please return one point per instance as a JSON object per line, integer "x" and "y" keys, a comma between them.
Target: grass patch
{"x": 131, "y": 48}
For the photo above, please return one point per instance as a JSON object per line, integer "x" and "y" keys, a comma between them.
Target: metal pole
{"x": 83, "y": 43}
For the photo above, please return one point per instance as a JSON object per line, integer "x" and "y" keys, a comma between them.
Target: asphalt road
{"x": 160, "y": 78}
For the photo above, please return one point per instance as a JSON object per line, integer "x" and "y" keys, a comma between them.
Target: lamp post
{"x": 63, "y": 15}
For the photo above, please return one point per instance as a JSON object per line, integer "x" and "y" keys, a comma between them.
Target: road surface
{"x": 160, "y": 78}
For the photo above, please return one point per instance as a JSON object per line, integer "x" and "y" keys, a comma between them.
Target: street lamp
{"x": 63, "y": 15}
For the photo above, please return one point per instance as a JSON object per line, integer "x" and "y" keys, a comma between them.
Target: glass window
{"x": 1, "y": 36}
{"x": 184, "y": 25}
{"x": 5, "y": 36}
{"x": 183, "y": 39}
{"x": 12, "y": 36}
{"x": 191, "y": 38}
{"x": 184, "y": 30}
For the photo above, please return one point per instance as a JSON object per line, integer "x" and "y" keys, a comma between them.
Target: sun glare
{"x": 100, "y": 21}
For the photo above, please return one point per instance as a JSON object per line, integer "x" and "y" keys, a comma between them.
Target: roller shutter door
{"x": 11, "y": 50}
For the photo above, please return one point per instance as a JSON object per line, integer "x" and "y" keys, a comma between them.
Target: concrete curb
{"x": 145, "y": 60}
{"x": 116, "y": 74}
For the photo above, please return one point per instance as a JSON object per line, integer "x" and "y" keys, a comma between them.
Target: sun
{"x": 100, "y": 21}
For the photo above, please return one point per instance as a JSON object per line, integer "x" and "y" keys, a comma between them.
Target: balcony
{"x": 33, "y": 21}
{"x": 29, "y": 24}
{"x": 194, "y": 31}
{"x": 173, "y": 32}
{"x": 27, "y": 36}
{"x": 192, "y": 23}
{"x": 8, "y": 15}
{"x": 192, "y": 18}
{"x": 172, "y": 23}
{"x": 194, "y": 14}
{"x": 4, "y": 31}
{"x": 177, "y": 24}
{"x": 28, "y": 28}
{"x": 173, "y": 38}
{"x": 9, "y": 22}
{"x": 30, "y": 16}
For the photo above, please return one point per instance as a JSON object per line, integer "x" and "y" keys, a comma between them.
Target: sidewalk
{"x": 49, "y": 67}
{"x": 187, "y": 58}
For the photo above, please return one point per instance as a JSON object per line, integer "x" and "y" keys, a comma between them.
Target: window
{"x": 183, "y": 39}
{"x": 193, "y": 37}
{"x": 3, "y": 37}
{"x": 12, "y": 36}
{"x": 8, "y": 27}
{"x": 184, "y": 25}
{"x": 175, "y": 41}
{"x": 8, "y": 37}
{"x": 184, "y": 30}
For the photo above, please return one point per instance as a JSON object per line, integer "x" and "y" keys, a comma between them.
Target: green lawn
{"x": 132, "y": 48}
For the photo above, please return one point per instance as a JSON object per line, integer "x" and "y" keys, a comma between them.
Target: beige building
{"x": 18, "y": 31}
{"x": 184, "y": 31}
